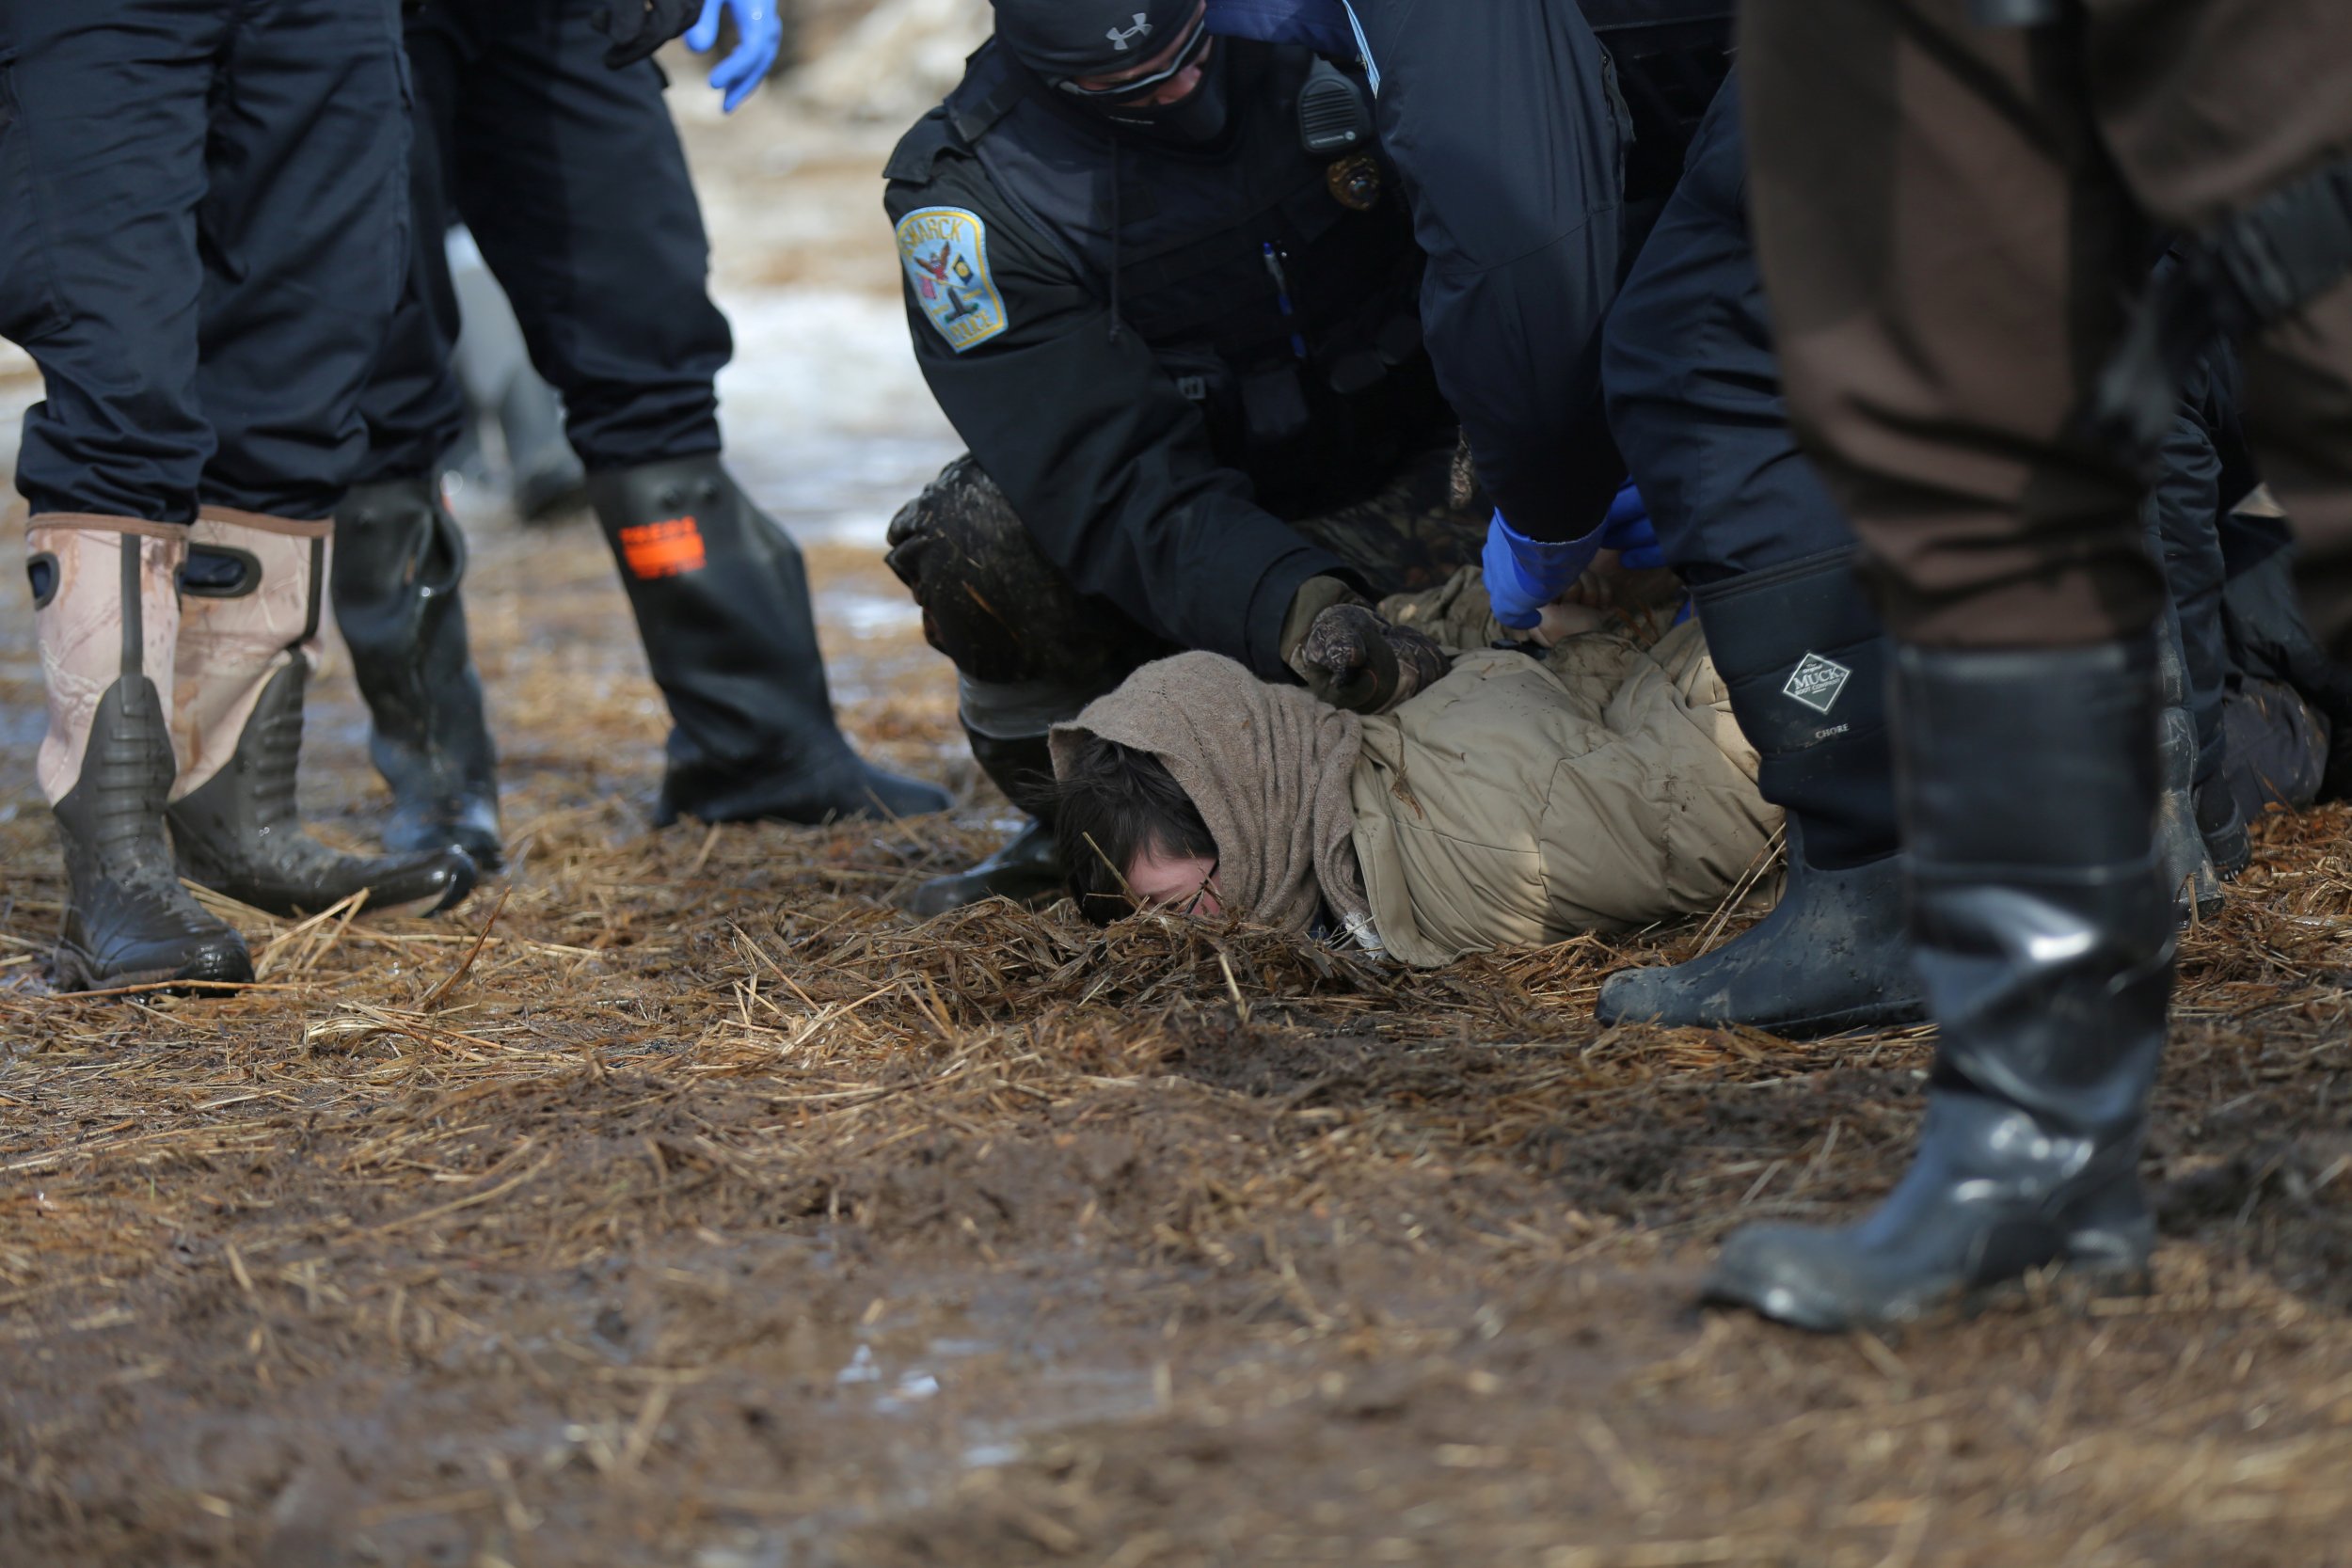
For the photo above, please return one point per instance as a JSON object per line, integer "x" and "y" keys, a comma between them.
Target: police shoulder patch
{"x": 944, "y": 250}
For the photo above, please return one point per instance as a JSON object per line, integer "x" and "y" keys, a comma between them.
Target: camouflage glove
{"x": 1350, "y": 657}
{"x": 638, "y": 27}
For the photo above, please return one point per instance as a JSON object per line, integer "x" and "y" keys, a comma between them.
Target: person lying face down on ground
{"x": 1595, "y": 782}
{"x": 1506, "y": 798}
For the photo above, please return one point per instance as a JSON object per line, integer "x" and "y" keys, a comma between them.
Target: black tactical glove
{"x": 1354, "y": 659}
{"x": 638, "y": 27}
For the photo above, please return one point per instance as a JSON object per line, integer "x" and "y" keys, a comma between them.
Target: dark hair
{"x": 1112, "y": 803}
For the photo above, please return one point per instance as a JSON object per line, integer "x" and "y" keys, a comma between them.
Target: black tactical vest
{"x": 1279, "y": 289}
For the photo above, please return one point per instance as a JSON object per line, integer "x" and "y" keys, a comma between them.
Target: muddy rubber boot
{"x": 2187, "y": 866}
{"x": 107, "y": 613}
{"x": 1804, "y": 659}
{"x": 2044, "y": 937}
{"x": 1027, "y": 868}
{"x": 398, "y": 566}
{"x": 2263, "y": 612}
{"x": 252, "y": 594}
{"x": 722, "y": 602}
{"x": 2222, "y": 822}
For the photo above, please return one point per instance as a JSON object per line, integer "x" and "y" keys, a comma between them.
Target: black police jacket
{"x": 1161, "y": 353}
{"x": 1537, "y": 141}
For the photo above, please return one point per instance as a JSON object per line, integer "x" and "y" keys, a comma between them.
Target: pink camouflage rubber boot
{"x": 106, "y": 613}
{"x": 252, "y": 590}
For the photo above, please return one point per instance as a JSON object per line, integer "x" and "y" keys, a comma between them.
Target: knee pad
{"x": 991, "y": 601}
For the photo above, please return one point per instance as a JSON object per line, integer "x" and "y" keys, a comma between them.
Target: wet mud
{"x": 701, "y": 1208}
{"x": 714, "y": 1212}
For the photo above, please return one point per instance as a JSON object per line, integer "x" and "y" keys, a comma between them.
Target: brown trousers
{"x": 1952, "y": 220}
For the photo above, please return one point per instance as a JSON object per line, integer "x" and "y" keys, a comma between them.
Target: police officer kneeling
{"x": 1162, "y": 285}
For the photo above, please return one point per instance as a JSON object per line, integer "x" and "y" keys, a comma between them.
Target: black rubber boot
{"x": 722, "y": 602}
{"x": 2222, "y": 822}
{"x": 2263, "y": 614}
{"x": 128, "y": 920}
{"x": 1027, "y": 868}
{"x": 400, "y": 559}
{"x": 251, "y": 596}
{"x": 2028, "y": 784}
{"x": 2187, "y": 864}
{"x": 1804, "y": 659}
{"x": 240, "y": 833}
{"x": 545, "y": 475}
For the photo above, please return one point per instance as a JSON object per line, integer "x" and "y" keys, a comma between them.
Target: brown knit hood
{"x": 1266, "y": 766}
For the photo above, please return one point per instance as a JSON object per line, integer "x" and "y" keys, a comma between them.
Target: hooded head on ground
{"x": 1148, "y": 66}
{"x": 1264, "y": 771}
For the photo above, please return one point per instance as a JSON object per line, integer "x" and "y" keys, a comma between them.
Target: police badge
{"x": 944, "y": 250}
{"x": 1354, "y": 181}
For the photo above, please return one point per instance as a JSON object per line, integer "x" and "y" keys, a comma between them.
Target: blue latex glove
{"x": 760, "y": 35}
{"x": 1522, "y": 576}
{"x": 1626, "y": 529}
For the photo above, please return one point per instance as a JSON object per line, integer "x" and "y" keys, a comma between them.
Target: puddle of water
{"x": 991, "y": 1456}
{"x": 1057, "y": 1395}
{"x": 868, "y": 614}
{"x": 911, "y": 1388}
{"x": 827, "y": 419}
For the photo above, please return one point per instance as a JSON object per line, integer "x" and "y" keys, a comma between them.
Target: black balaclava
{"x": 1062, "y": 40}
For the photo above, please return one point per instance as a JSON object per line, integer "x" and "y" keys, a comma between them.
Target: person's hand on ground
{"x": 1354, "y": 659}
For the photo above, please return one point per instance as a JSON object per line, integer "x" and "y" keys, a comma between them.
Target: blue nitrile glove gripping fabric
{"x": 1524, "y": 575}
{"x": 760, "y": 35}
{"x": 1626, "y": 529}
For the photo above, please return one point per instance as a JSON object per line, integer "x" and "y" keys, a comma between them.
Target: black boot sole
{"x": 489, "y": 854}
{"x": 1850, "y": 1020}
{"x": 2072, "y": 1282}
{"x": 75, "y": 972}
{"x": 1831, "y": 958}
{"x": 943, "y": 895}
{"x": 287, "y": 904}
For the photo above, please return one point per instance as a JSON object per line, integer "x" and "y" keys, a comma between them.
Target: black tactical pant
{"x": 571, "y": 178}
{"x": 1031, "y": 650}
{"x": 201, "y": 235}
{"x": 1695, "y": 382}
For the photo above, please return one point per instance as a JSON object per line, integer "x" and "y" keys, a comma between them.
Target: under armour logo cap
{"x": 1062, "y": 39}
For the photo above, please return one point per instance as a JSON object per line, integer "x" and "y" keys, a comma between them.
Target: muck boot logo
{"x": 668, "y": 548}
{"x": 1818, "y": 682}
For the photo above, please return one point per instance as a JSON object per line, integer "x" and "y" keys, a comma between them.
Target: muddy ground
{"x": 710, "y": 1212}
